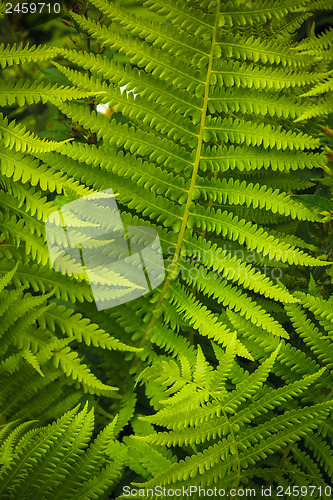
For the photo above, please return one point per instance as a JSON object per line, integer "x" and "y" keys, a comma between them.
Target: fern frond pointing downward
{"x": 322, "y": 347}
{"x": 235, "y": 269}
{"x": 233, "y": 298}
{"x": 69, "y": 361}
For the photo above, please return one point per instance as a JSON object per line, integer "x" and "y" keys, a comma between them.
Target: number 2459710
{"x": 32, "y": 8}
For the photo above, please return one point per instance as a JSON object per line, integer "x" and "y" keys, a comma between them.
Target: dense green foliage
{"x": 222, "y": 376}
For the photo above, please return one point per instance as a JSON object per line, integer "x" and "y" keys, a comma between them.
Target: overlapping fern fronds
{"x": 33, "y": 465}
{"x": 208, "y": 152}
{"x": 39, "y": 364}
{"x": 234, "y": 420}
{"x": 210, "y": 103}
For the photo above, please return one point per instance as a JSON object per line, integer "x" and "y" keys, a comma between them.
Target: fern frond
{"x": 229, "y": 266}
{"x": 253, "y": 102}
{"x": 284, "y": 30}
{"x": 202, "y": 319}
{"x": 96, "y": 486}
{"x": 311, "y": 335}
{"x": 34, "y": 201}
{"x": 74, "y": 325}
{"x": 17, "y": 54}
{"x": 32, "y": 360}
{"x": 221, "y": 158}
{"x": 233, "y": 298}
{"x": 224, "y": 223}
{"x": 240, "y": 132}
{"x": 171, "y": 342}
{"x": 36, "y": 449}
{"x": 315, "y": 45}
{"x": 45, "y": 462}
{"x": 321, "y": 451}
{"x": 320, "y": 307}
{"x": 258, "y": 13}
{"x": 50, "y": 471}
{"x": 234, "y": 73}
{"x": 122, "y": 135}
{"x": 16, "y": 230}
{"x": 42, "y": 279}
{"x": 24, "y": 92}
{"x": 15, "y": 136}
{"x": 142, "y": 55}
{"x": 7, "y": 278}
{"x": 301, "y": 422}
{"x": 17, "y": 166}
{"x": 177, "y": 101}
{"x": 69, "y": 361}
{"x": 84, "y": 465}
{"x": 322, "y": 108}
{"x": 321, "y": 88}
{"x": 143, "y": 173}
{"x": 320, "y": 5}
{"x": 139, "y": 108}
{"x": 274, "y": 398}
{"x": 187, "y": 17}
{"x": 283, "y": 182}
{"x": 159, "y": 35}
{"x": 236, "y": 192}
{"x": 10, "y": 442}
{"x": 306, "y": 464}
{"x": 256, "y": 49}
{"x": 285, "y": 429}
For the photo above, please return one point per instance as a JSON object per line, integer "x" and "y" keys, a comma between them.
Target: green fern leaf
{"x": 16, "y": 54}
{"x": 30, "y": 92}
